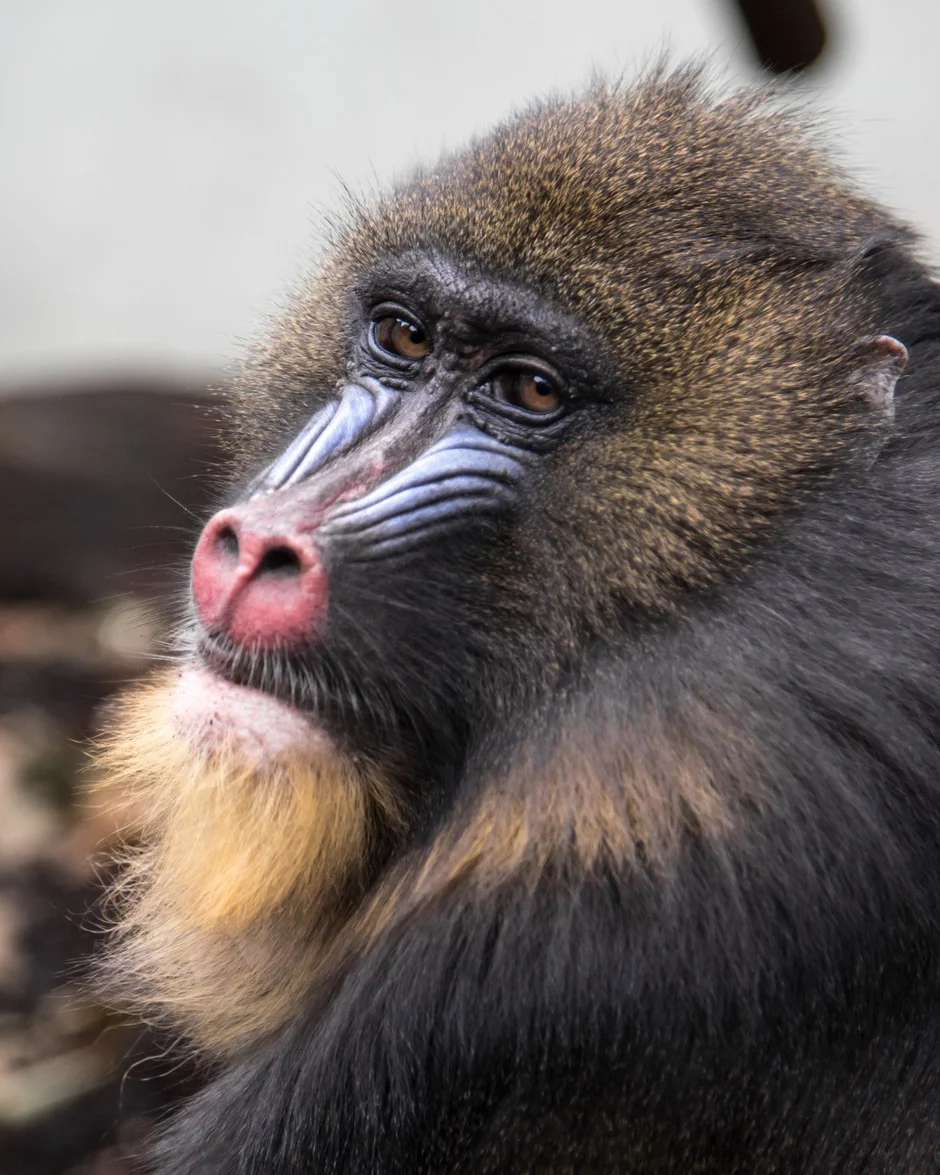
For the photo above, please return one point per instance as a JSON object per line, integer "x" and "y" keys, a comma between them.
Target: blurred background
{"x": 164, "y": 168}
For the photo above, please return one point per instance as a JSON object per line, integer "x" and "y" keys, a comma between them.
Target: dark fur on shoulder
{"x": 677, "y": 909}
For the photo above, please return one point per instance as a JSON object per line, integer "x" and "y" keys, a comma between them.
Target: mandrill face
{"x": 370, "y": 572}
{"x": 537, "y": 405}
{"x": 484, "y": 499}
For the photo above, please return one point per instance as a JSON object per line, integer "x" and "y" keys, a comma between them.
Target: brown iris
{"x": 401, "y": 337}
{"x": 526, "y": 389}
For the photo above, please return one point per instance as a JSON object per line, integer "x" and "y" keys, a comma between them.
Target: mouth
{"x": 265, "y": 671}
{"x": 313, "y": 682}
{"x": 222, "y": 656}
{"x": 307, "y": 681}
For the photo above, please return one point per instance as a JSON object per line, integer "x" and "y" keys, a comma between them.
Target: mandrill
{"x": 549, "y": 776}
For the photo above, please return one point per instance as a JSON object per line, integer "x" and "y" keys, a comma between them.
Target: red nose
{"x": 260, "y": 587}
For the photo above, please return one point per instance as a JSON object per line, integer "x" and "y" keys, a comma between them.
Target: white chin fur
{"x": 211, "y": 714}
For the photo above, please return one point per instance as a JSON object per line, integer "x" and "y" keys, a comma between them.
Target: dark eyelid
{"x": 524, "y": 363}
{"x": 389, "y": 309}
{"x": 489, "y": 403}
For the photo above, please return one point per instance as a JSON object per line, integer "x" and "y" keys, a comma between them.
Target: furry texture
{"x": 243, "y": 863}
{"x": 662, "y": 897}
{"x": 709, "y": 246}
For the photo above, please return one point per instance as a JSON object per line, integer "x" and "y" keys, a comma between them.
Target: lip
{"x": 303, "y": 682}
{"x": 238, "y": 667}
{"x": 218, "y": 655}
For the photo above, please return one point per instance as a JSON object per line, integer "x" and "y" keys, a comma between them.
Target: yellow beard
{"x": 246, "y": 865}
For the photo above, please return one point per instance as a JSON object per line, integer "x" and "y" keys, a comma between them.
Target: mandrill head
{"x": 535, "y": 410}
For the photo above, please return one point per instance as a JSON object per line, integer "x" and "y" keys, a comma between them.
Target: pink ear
{"x": 883, "y": 361}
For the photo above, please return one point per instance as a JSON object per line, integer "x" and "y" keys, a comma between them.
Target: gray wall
{"x": 163, "y": 165}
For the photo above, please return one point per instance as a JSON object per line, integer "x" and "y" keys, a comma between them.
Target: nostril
{"x": 256, "y": 587}
{"x": 227, "y": 541}
{"x": 279, "y": 561}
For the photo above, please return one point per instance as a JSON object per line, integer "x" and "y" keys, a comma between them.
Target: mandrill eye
{"x": 401, "y": 337}
{"x": 526, "y": 389}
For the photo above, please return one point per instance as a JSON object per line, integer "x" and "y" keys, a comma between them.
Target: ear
{"x": 882, "y": 361}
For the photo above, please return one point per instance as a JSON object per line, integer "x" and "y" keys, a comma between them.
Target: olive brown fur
{"x": 643, "y": 864}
